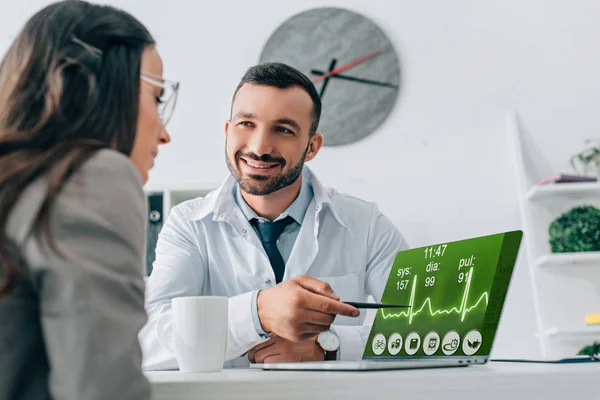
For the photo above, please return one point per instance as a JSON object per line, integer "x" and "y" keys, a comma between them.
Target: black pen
{"x": 374, "y": 305}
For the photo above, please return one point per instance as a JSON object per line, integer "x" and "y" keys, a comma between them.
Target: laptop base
{"x": 365, "y": 365}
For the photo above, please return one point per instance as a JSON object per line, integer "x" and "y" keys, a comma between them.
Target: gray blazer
{"x": 69, "y": 329}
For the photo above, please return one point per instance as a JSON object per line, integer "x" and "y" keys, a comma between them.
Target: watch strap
{"x": 331, "y": 355}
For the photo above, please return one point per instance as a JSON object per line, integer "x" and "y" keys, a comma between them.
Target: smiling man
{"x": 273, "y": 239}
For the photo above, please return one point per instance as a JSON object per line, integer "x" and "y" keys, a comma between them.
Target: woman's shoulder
{"x": 106, "y": 187}
{"x": 107, "y": 183}
{"x": 111, "y": 163}
{"x": 108, "y": 179}
{"x": 106, "y": 171}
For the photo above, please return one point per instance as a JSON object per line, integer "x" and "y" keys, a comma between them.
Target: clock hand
{"x": 348, "y": 65}
{"x": 326, "y": 81}
{"x": 355, "y": 79}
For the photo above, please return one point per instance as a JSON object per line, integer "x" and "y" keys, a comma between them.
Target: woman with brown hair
{"x": 83, "y": 109}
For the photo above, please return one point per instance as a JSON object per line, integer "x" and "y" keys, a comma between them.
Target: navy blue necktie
{"x": 269, "y": 232}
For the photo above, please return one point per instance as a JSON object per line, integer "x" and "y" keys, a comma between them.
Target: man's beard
{"x": 252, "y": 184}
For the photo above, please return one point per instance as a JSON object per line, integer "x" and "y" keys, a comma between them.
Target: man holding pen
{"x": 272, "y": 238}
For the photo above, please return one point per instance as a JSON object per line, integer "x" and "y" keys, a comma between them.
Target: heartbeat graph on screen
{"x": 463, "y": 309}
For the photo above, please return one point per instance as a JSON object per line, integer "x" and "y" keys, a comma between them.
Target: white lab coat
{"x": 207, "y": 247}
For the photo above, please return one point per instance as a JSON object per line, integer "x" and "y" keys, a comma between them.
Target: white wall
{"x": 440, "y": 166}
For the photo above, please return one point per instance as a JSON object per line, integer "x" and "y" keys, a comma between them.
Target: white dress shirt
{"x": 208, "y": 247}
{"x": 287, "y": 238}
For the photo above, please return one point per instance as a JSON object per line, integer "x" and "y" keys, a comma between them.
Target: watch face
{"x": 351, "y": 62}
{"x": 329, "y": 341}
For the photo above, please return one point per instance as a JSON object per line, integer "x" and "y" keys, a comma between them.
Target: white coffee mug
{"x": 199, "y": 332}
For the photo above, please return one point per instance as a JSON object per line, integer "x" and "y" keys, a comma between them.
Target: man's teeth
{"x": 259, "y": 166}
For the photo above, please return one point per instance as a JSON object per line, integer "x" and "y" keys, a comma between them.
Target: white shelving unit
{"x": 565, "y": 286}
{"x": 568, "y": 333}
{"x": 161, "y": 200}
{"x": 540, "y": 193}
{"x": 591, "y": 259}
{"x": 173, "y": 195}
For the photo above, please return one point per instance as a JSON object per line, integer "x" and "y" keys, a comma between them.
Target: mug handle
{"x": 161, "y": 324}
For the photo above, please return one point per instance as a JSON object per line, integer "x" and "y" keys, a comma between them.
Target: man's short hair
{"x": 283, "y": 76}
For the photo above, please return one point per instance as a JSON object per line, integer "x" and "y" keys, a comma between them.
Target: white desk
{"x": 494, "y": 381}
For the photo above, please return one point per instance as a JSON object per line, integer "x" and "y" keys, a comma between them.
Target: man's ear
{"x": 314, "y": 145}
{"x": 227, "y": 125}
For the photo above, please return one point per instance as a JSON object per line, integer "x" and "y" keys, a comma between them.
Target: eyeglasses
{"x": 168, "y": 95}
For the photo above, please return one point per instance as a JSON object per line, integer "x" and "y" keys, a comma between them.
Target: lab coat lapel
{"x": 306, "y": 247}
{"x": 226, "y": 211}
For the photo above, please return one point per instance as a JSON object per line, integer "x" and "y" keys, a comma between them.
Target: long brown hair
{"x": 69, "y": 86}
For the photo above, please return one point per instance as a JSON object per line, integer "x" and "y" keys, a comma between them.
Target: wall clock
{"x": 350, "y": 60}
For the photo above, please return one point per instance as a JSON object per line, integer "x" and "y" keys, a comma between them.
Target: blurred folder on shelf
{"x": 592, "y": 319}
{"x": 564, "y": 178}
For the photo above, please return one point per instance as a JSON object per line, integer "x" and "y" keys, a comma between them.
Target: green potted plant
{"x": 576, "y": 230}
{"x": 593, "y": 350}
{"x": 587, "y": 162}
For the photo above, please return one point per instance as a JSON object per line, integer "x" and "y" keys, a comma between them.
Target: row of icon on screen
{"x": 431, "y": 343}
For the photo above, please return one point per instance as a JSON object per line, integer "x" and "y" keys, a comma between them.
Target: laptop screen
{"x": 455, "y": 291}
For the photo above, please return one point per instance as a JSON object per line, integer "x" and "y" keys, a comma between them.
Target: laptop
{"x": 456, "y": 292}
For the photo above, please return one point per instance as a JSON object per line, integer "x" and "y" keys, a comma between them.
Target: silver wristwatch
{"x": 330, "y": 343}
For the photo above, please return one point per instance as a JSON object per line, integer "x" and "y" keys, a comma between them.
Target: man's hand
{"x": 277, "y": 349}
{"x": 300, "y": 308}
